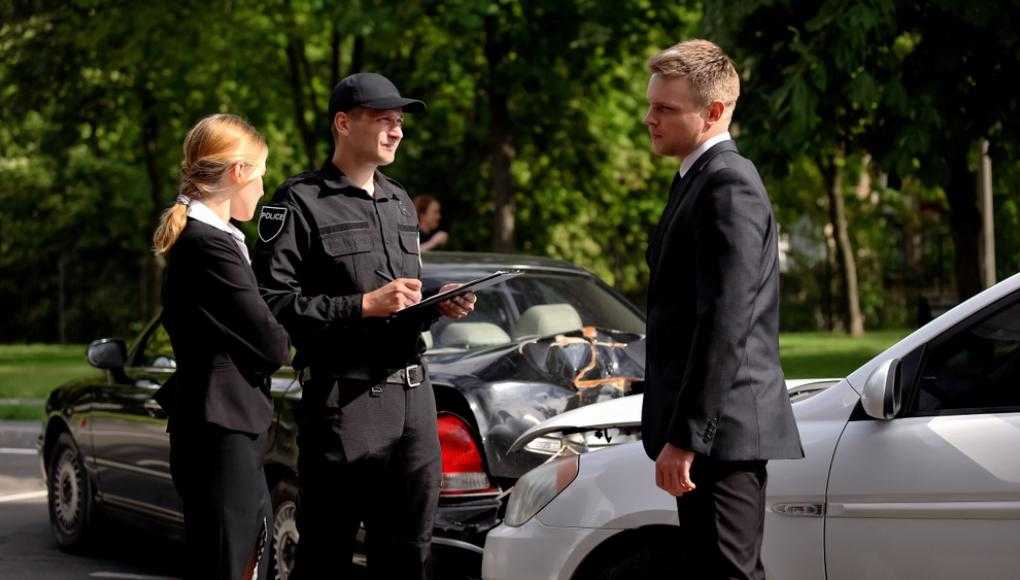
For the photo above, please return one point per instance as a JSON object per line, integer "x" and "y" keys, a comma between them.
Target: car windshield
{"x": 534, "y": 305}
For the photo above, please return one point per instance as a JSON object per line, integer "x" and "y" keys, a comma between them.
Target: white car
{"x": 912, "y": 471}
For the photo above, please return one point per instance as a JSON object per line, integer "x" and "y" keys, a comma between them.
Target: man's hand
{"x": 393, "y": 297}
{"x": 673, "y": 470}
{"x": 457, "y": 307}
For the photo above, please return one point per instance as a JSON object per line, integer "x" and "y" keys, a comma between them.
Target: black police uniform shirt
{"x": 322, "y": 243}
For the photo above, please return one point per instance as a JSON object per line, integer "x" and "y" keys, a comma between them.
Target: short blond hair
{"x": 711, "y": 73}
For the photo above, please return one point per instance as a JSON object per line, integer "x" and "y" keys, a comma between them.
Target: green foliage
{"x": 99, "y": 95}
{"x": 96, "y": 96}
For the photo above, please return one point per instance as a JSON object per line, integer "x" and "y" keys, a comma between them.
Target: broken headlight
{"x": 578, "y": 443}
{"x": 538, "y": 487}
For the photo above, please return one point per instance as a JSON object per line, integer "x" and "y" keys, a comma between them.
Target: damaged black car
{"x": 537, "y": 345}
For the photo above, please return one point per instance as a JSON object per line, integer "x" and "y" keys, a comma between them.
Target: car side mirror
{"x": 107, "y": 353}
{"x": 883, "y": 393}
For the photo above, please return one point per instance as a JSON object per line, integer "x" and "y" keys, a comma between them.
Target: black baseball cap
{"x": 370, "y": 90}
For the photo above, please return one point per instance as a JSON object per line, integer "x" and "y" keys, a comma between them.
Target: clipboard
{"x": 475, "y": 285}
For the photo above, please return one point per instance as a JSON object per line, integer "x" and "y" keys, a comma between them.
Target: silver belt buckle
{"x": 407, "y": 375}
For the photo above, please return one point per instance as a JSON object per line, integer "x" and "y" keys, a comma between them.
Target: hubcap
{"x": 67, "y": 493}
{"x": 285, "y": 538}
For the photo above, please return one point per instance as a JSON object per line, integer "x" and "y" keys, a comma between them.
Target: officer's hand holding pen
{"x": 393, "y": 297}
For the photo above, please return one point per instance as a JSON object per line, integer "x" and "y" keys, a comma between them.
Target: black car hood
{"x": 513, "y": 388}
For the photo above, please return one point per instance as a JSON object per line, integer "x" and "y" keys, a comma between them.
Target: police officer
{"x": 337, "y": 257}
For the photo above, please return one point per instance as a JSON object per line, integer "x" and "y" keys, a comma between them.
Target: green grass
{"x": 30, "y": 371}
{"x": 21, "y": 412}
{"x": 823, "y": 354}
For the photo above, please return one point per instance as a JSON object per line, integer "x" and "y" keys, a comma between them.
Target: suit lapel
{"x": 685, "y": 191}
{"x": 237, "y": 249}
{"x": 671, "y": 202}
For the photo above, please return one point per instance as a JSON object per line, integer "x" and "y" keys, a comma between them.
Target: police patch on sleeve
{"x": 271, "y": 220}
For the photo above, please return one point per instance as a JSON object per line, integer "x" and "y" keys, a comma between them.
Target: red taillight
{"x": 463, "y": 468}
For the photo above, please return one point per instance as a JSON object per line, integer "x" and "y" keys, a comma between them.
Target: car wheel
{"x": 637, "y": 565}
{"x": 69, "y": 491}
{"x": 643, "y": 556}
{"x": 285, "y": 532}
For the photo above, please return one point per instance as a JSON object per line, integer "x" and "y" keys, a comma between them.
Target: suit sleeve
{"x": 278, "y": 267}
{"x": 731, "y": 222}
{"x": 231, "y": 303}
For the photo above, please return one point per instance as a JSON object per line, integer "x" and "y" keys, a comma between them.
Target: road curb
{"x": 20, "y": 434}
{"x": 39, "y": 402}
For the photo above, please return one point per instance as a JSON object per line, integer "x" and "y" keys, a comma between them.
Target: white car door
{"x": 935, "y": 492}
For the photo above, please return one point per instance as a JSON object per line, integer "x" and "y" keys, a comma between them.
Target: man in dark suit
{"x": 715, "y": 407}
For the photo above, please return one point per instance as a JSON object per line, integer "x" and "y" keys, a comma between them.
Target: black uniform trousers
{"x": 723, "y": 520}
{"x": 219, "y": 477}
{"x": 367, "y": 453}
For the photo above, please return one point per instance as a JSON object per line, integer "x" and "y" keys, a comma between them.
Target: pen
{"x": 384, "y": 275}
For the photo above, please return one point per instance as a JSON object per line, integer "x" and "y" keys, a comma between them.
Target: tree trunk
{"x": 987, "y": 216}
{"x": 295, "y": 50}
{"x": 358, "y": 54}
{"x": 335, "y": 56}
{"x": 501, "y": 150}
{"x": 150, "y": 149}
{"x": 61, "y": 304}
{"x": 845, "y": 260}
{"x": 827, "y": 279}
{"x": 913, "y": 247}
{"x": 965, "y": 222}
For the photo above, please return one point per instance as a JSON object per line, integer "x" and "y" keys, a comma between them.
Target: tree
{"x": 945, "y": 97}
{"x": 98, "y": 96}
{"x": 809, "y": 90}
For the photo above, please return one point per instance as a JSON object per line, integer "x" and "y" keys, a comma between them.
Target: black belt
{"x": 411, "y": 376}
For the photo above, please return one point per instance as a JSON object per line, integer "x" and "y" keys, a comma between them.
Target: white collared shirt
{"x": 201, "y": 212}
{"x": 688, "y": 161}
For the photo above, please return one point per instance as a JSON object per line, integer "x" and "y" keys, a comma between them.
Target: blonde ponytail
{"x": 210, "y": 148}
{"x": 171, "y": 223}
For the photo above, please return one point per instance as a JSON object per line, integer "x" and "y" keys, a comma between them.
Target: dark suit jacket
{"x": 713, "y": 384}
{"x": 226, "y": 342}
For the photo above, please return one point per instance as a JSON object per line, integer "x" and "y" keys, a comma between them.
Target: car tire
{"x": 642, "y": 556}
{"x": 70, "y": 495}
{"x": 284, "y": 533}
{"x": 637, "y": 565}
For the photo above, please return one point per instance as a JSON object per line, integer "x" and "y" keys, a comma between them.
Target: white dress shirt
{"x": 688, "y": 161}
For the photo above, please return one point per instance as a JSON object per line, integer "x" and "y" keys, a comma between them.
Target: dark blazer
{"x": 226, "y": 342}
{"x": 713, "y": 384}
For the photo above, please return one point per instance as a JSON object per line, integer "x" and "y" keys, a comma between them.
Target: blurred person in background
{"x": 429, "y": 215}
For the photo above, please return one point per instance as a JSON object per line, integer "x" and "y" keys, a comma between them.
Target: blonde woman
{"x": 227, "y": 344}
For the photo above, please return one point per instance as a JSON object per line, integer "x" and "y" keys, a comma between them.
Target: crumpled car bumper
{"x": 536, "y": 550}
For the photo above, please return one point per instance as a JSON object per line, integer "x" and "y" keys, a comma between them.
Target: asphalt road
{"x": 27, "y": 548}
